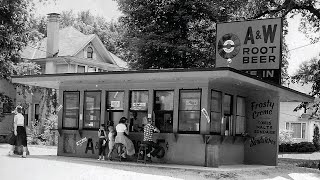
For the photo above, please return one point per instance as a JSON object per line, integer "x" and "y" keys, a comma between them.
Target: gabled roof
{"x": 70, "y": 42}
{"x": 304, "y": 88}
{"x": 121, "y": 63}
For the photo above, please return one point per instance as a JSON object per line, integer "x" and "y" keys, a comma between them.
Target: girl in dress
{"x": 121, "y": 137}
{"x": 111, "y": 138}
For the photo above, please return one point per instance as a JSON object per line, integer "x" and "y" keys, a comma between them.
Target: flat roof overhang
{"x": 223, "y": 76}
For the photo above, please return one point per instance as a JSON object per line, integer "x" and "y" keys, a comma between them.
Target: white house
{"x": 300, "y": 122}
{"x": 67, "y": 50}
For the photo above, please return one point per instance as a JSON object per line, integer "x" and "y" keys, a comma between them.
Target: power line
{"x": 302, "y": 46}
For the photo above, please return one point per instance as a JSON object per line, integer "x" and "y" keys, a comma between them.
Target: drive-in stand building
{"x": 207, "y": 117}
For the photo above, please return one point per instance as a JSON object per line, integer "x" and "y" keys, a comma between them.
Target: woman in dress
{"x": 121, "y": 137}
{"x": 20, "y": 132}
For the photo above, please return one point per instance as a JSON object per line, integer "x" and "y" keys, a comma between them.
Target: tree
{"x": 172, "y": 34}
{"x": 13, "y": 33}
{"x": 169, "y": 34}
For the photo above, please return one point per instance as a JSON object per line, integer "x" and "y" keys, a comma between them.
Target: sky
{"x": 109, "y": 10}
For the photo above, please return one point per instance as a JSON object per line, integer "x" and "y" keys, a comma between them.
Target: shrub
{"x": 309, "y": 164}
{"x": 285, "y": 137}
{"x": 297, "y": 147}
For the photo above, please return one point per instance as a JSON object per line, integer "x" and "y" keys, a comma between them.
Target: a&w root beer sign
{"x": 251, "y": 46}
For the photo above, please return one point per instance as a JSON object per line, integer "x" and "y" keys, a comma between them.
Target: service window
{"x": 138, "y": 110}
{"x": 216, "y": 104}
{"x": 163, "y": 110}
{"x": 92, "y": 109}
{"x": 71, "y": 107}
{"x": 227, "y": 120}
{"x": 189, "y": 111}
{"x": 240, "y": 116}
{"x": 114, "y": 107}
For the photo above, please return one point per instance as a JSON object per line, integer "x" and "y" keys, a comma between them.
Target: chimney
{"x": 52, "y": 41}
{"x": 53, "y": 34}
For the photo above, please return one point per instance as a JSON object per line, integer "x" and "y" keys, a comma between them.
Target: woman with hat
{"x": 121, "y": 137}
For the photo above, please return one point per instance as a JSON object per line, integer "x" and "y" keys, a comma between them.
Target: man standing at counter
{"x": 147, "y": 138}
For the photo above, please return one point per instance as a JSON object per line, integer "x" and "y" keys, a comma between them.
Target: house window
{"x": 241, "y": 115}
{"x": 92, "y": 109}
{"x": 91, "y": 69}
{"x": 7, "y": 108}
{"x": 81, "y": 69}
{"x": 36, "y": 112}
{"x": 227, "y": 124}
{"x": 216, "y": 103}
{"x": 163, "y": 110}
{"x": 114, "y": 106}
{"x": 189, "y": 111}
{"x": 298, "y": 130}
{"x": 71, "y": 107}
{"x": 138, "y": 110}
{"x": 25, "y": 115}
{"x": 89, "y": 52}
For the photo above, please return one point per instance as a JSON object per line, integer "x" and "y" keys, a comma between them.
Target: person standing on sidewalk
{"x": 102, "y": 142}
{"x": 20, "y": 132}
{"x": 147, "y": 138}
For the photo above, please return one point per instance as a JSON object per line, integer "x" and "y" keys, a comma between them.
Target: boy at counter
{"x": 147, "y": 138}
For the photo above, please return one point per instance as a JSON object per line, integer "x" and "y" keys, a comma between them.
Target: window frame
{"x": 137, "y": 111}
{"x": 84, "y": 111}
{"x": 109, "y": 111}
{"x": 244, "y": 116}
{"x": 130, "y": 101}
{"x": 301, "y": 127}
{"x": 90, "y": 53}
{"x": 63, "y": 111}
{"x": 221, "y": 104}
{"x": 163, "y": 111}
{"x": 179, "y": 106}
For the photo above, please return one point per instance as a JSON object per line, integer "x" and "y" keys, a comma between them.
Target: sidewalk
{"x": 223, "y": 168}
{"x": 62, "y": 167}
{"x": 45, "y": 152}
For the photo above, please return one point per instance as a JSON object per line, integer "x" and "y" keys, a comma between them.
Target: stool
{"x": 119, "y": 150}
{"x": 143, "y": 148}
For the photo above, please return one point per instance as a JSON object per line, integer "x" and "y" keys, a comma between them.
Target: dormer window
{"x": 89, "y": 52}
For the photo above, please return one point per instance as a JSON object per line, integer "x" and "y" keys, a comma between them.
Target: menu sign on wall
{"x": 264, "y": 124}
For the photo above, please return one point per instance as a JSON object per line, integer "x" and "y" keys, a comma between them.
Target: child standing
{"x": 102, "y": 142}
{"x": 111, "y": 138}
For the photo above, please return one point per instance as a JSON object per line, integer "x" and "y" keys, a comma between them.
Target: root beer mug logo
{"x": 229, "y": 46}
{"x": 251, "y": 45}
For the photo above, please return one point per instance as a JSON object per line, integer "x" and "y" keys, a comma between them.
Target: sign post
{"x": 251, "y": 46}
